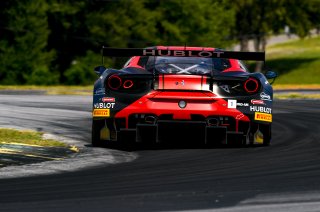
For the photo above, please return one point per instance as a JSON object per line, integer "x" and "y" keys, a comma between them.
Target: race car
{"x": 168, "y": 94}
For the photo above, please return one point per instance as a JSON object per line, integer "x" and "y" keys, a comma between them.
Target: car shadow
{"x": 133, "y": 147}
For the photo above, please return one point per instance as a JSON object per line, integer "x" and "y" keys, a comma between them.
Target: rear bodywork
{"x": 208, "y": 98}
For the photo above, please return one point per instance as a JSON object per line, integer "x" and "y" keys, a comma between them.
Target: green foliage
{"x": 67, "y": 33}
{"x": 303, "y": 23}
{"x": 42, "y": 76}
{"x": 195, "y": 23}
{"x": 24, "y": 48}
{"x": 296, "y": 62}
{"x": 53, "y": 41}
{"x": 81, "y": 70}
{"x": 258, "y": 19}
{"x": 124, "y": 24}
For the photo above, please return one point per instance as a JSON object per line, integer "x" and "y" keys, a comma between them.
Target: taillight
{"x": 114, "y": 82}
{"x": 251, "y": 85}
{"x": 127, "y": 84}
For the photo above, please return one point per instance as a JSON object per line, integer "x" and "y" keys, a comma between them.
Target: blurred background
{"x": 54, "y": 42}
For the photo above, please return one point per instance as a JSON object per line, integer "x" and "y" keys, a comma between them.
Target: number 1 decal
{"x": 232, "y": 103}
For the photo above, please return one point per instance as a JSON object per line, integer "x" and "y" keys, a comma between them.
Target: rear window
{"x": 185, "y": 65}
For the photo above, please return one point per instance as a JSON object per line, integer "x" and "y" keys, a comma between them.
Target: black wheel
{"x": 264, "y": 130}
{"x": 266, "y": 135}
{"x": 95, "y": 133}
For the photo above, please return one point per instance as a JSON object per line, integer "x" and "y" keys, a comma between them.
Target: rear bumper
{"x": 165, "y": 131}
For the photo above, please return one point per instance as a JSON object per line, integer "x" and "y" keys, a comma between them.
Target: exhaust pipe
{"x": 212, "y": 122}
{"x": 150, "y": 119}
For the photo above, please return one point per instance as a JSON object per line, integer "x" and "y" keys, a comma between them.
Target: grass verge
{"x": 28, "y": 138}
{"x": 296, "y": 96}
{"x": 296, "y": 86}
{"x": 297, "y": 62}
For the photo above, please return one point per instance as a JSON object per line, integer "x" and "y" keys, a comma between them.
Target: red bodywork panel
{"x": 166, "y": 102}
{"x": 183, "y": 82}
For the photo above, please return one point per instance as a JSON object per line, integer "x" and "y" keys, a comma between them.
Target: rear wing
{"x": 130, "y": 52}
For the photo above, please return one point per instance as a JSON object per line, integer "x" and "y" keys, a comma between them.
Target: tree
{"x": 23, "y": 45}
{"x": 257, "y": 20}
{"x": 314, "y": 14}
{"x": 81, "y": 69}
{"x": 122, "y": 23}
{"x": 302, "y": 16}
{"x": 195, "y": 22}
{"x": 149, "y": 23}
{"x": 46, "y": 41}
{"x": 69, "y": 37}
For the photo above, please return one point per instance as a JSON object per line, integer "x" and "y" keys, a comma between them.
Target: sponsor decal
{"x": 99, "y": 91}
{"x": 181, "y": 53}
{"x": 265, "y": 96}
{"x": 266, "y": 82}
{"x": 108, "y": 99}
{"x": 101, "y": 113}
{"x": 262, "y": 117}
{"x": 257, "y": 102}
{"x": 232, "y": 103}
{"x": 240, "y": 116}
{"x": 104, "y": 105}
{"x": 242, "y": 104}
{"x": 260, "y": 109}
{"x": 225, "y": 88}
{"x": 181, "y": 83}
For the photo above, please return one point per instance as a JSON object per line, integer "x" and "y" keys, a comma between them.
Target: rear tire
{"x": 266, "y": 135}
{"x": 95, "y": 134}
{"x": 265, "y": 129}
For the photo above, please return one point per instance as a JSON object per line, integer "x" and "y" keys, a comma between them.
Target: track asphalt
{"x": 282, "y": 177}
